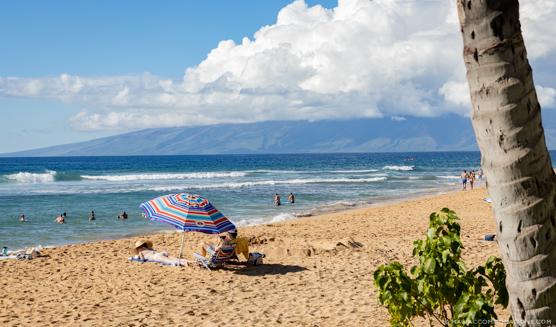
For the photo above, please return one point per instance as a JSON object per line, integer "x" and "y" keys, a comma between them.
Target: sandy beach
{"x": 313, "y": 274}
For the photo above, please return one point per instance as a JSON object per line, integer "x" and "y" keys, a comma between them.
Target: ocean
{"x": 240, "y": 186}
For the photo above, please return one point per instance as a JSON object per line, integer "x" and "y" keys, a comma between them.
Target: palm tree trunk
{"x": 520, "y": 178}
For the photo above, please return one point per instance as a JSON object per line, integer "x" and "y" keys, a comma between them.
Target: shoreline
{"x": 319, "y": 211}
{"x": 323, "y": 280}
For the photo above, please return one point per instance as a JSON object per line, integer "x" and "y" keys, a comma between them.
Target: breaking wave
{"x": 163, "y": 176}
{"x": 32, "y": 178}
{"x": 402, "y": 168}
{"x": 233, "y": 185}
{"x": 354, "y": 171}
{"x": 259, "y": 221}
{"x": 449, "y": 177}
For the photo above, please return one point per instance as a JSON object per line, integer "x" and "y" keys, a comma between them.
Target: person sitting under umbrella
{"x": 225, "y": 246}
{"x": 144, "y": 252}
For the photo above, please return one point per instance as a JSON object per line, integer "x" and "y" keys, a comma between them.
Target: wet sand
{"x": 314, "y": 273}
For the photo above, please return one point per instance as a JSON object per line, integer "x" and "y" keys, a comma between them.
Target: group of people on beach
{"x": 144, "y": 250}
{"x": 278, "y": 202}
{"x": 469, "y": 177}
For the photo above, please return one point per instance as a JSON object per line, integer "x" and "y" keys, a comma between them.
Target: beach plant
{"x": 507, "y": 121}
{"x": 440, "y": 287}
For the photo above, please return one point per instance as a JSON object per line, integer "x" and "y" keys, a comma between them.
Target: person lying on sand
{"x": 144, "y": 252}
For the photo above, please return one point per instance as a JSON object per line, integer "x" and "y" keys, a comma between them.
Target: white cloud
{"x": 398, "y": 118}
{"x": 547, "y": 96}
{"x": 456, "y": 93}
{"x": 360, "y": 59}
{"x": 538, "y": 19}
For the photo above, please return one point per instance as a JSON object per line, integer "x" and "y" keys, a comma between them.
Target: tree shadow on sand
{"x": 269, "y": 269}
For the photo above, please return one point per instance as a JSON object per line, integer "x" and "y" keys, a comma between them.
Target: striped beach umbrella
{"x": 188, "y": 213}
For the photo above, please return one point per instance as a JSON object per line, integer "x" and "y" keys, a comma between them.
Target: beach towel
{"x": 11, "y": 256}
{"x": 174, "y": 263}
{"x": 242, "y": 247}
{"x": 28, "y": 254}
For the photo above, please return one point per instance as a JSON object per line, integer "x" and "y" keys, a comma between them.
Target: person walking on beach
{"x": 92, "y": 215}
{"x": 291, "y": 198}
{"x": 277, "y": 201}
{"x": 471, "y": 178}
{"x": 464, "y": 180}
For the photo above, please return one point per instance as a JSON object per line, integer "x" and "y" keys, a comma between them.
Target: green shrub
{"x": 440, "y": 288}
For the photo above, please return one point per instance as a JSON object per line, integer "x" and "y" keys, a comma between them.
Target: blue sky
{"x": 101, "y": 37}
{"x": 77, "y": 70}
{"x": 105, "y": 37}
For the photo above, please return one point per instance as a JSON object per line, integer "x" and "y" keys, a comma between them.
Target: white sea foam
{"x": 259, "y": 221}
{"x": 311, "y": 171}
{"x": 235, "y": 185}
{"x": 278, "y": 171}
{"x": 354, "y": 171}
{"x": 163, "y": 176}
{"x": 130, "y": 188}
{"x": 32, "y": 178}
{"x": 331, "y": 180}
{"x": 298, "y": 182}
{"x": 402, "y": 168}
{"x": 449, "y": 177}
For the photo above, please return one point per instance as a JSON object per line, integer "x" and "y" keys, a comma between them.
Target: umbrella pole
{"x": 181, "y": 247}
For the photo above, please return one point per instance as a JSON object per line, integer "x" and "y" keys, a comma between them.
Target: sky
{"x": 77, "y": 70}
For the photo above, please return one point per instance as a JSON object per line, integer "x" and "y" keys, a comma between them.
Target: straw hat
{"x": 140, "y": 243}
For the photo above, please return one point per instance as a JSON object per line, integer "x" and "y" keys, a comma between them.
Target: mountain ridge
{"x": 411, "y": 134}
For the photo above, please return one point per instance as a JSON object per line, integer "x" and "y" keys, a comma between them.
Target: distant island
{"x": 446, "y": 133}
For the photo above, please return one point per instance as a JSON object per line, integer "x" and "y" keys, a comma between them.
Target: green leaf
{"x": 430, "y": 265}
{"x": 441, "y": 279}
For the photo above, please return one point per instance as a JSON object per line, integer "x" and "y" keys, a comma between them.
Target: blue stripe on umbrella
{"x": 188, "y": 213}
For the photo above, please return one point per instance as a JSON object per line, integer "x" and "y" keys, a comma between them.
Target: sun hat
{"x": 140, "y": 243}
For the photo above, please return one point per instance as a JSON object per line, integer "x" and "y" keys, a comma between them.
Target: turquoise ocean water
{"x": 241, "y": 186}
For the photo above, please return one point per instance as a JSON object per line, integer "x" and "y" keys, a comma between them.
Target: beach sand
{"x": 312, "y": 276}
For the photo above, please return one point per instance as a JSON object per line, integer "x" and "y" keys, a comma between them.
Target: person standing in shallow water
{"x": 123, "y": 215}
{"x": 92, "y": 215}
{"x": 60, "y": 219}
{"x": 277, "y": 201}
{"x": 464, "y": 180}
{"x": 471, "y": 178}
{"x": 291, "y": 198}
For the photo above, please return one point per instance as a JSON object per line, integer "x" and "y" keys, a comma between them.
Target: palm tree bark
{"x": 520, "y": 178}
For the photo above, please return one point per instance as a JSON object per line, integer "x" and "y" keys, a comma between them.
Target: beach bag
{"x": 255, "y": 258}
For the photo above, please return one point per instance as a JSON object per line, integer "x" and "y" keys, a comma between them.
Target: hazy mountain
{"x": 447, "y": 133}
